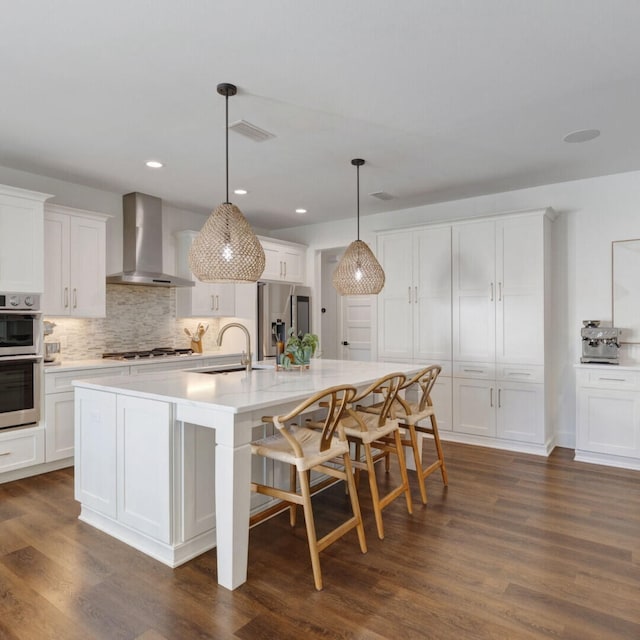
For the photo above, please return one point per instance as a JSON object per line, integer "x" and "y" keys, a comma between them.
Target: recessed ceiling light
{"x": 154, "y": 164}
{"x": 301, "y": 211}
{"x": 582, "y": 135}
{"x": 240, "y": 192}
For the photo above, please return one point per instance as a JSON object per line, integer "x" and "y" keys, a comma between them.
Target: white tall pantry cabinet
{"x": 414, "y": 307}
{"x": 473, "y": 297}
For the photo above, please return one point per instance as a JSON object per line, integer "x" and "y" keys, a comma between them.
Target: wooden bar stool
{"x": 307, "y": 450}
{"x": 415, "y": 407}
{"x": 379, "y": 435}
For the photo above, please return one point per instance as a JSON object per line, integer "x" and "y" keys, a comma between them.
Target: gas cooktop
{"x": 159, "y": 352}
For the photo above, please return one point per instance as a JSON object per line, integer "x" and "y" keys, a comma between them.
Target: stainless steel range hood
{"x": 142, "y": 244}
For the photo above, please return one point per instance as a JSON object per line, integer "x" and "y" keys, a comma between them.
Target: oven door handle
{"x": 27, "y": 358}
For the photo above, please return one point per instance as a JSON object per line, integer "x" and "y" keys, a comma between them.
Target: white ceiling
{"x": 444, "y": 99}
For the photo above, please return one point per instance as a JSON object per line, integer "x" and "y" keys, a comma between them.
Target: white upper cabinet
{"x": 204, "y": 299}
{"x": 21, "y": 240}
{"x": 75, "y": 263}
{"x": 284, "y": 261}
{"x": 498, "y": 290}
{"x": 414, "y": 307}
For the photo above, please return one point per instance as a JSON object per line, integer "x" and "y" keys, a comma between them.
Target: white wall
{"x": 592, "y": 213}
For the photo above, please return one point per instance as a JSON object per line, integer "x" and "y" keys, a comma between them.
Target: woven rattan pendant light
{"x": 226, "y": 249}
{"x": 358, "y": 273}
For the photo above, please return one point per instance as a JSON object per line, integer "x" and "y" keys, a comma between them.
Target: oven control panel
{"x": 19, "y": 301}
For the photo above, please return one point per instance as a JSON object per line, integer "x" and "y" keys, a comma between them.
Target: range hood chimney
{"x": 142, "y": 244}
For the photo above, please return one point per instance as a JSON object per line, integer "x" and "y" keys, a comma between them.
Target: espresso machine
{"x": 599, "y": 344}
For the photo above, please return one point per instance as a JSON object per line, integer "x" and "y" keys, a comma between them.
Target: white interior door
{"x": 357, "y": 327}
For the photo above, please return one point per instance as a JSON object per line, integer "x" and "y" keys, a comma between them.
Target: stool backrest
{"x": 425, "y": 378}
{"x": 334, "y": 401}
{"x": 389, "y": 386}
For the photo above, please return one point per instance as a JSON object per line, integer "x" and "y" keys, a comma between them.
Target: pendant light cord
{"x": 226, "y": 149}
{"x": 358, "y": 196}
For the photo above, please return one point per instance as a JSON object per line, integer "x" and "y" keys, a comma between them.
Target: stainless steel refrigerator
{"x": 280, "y": 307}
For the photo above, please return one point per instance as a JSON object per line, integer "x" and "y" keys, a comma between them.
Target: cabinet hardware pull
{"x": 499, "y": 291}
{"x": 491, "y": 297}
{"x": 614, "y": 379}
{"x": 473, "y": 370}
{"x": 518, "y": 373}
{"x": 409, "y": 292}
{"x": 5, "y": 453}
{"x": 75, "y": 298}
{"x": 66, "y": 297}
{"x": 491, "y": 397}
{"x": 499, "y": 398}
{"x": 285, "y": 269}
{"x": 415, "y": 290}
{"x": 217, "y": 303}
{"x": 213, "y": 302}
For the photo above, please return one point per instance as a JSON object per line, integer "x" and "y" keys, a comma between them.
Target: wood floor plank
{"x": 518, "y": 547}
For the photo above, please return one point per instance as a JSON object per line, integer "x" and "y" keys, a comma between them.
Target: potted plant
{"x": 299, "y": 349}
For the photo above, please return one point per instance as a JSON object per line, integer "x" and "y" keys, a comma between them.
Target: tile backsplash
{"x": 138, "y": 317}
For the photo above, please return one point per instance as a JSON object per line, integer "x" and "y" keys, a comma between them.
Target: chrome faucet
{"x": 245, "y": 360}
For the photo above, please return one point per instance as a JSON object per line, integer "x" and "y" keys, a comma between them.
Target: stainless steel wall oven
{"x": 20, "y": 359}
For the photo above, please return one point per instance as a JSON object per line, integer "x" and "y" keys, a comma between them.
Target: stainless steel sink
{"x": 229, "y": 369}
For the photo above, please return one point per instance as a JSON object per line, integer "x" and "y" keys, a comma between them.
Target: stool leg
{"x": 403, "y": 470}
{"x": 436, "y": 440}
{"x": 373, "y": 485}
{"x": 418, "y": 460}
{"x": 292, "y": 486}
{"x": 311, "y": 529}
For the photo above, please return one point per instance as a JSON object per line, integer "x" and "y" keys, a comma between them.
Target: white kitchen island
{"x": 144, "y": 462}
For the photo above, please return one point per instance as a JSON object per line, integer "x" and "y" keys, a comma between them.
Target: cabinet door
{"x": 21, "y": 244}
{"x": 520, "y": 290}
{"x": 432, "y": 294}
{"x": 520, "y": 414}
{"x": 144, "y": 430}
{"x": 442, "y": 398}
{"x": 395, "y": 302}
{"x": 87, "y": 273}
{"x": 273, "y": 269}
{"x": 198, "y": 469}
{"x": 95, "y": 443}
{"x": 474, "y": 292}
{"x": 56, "y": 300}
{"x": 608, "y": 421}
{"x": 59, "y": 426}
{"x": 474, "y": 406}
{"x": 293, "y": 264}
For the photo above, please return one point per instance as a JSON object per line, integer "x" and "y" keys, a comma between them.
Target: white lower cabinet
{"x": 59, "y": 407}
{"x": 21, "y": 448}
{"x": 474, "y": 409}
{"x": 502, "y": 409}
{"x": 198, "y": 494}
{"x": 143, "y": 462}
{"x": 95, "y": 441}
{"x": 608, "y": 416}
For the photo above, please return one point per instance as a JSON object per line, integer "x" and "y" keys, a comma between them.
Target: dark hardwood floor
{"x": 517, "y": 547}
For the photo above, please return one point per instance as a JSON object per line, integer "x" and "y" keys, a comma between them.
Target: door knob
{"x": 345, "y": 343}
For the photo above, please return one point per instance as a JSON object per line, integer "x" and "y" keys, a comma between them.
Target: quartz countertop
{"x": 240, "y": 391}
{"x": 603, "y": 365}
{"x": 190, "y": 361}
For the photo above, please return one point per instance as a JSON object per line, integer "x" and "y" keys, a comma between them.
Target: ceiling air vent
{"x": 249, "y": 130}
{"x": 381, "y": 195}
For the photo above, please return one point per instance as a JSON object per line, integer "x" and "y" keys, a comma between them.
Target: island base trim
{"x": 171, "y": 555}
